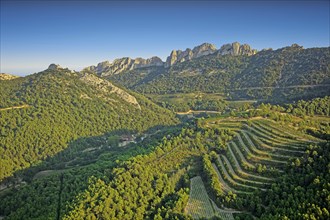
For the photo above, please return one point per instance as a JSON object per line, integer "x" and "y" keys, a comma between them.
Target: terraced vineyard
{"x": 201, "y": 206}
{"x": 255, "y": 156}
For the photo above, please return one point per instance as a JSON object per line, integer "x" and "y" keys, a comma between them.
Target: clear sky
{"x": 77, "y": 34}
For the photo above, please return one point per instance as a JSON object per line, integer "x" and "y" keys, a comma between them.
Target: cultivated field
{"x": 201, "y": 206}
{"x": 256, "y": 155}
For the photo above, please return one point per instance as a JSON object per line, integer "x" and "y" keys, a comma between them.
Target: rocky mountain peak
{"x": 107, "y": 68}
{"x": 203, "y": 50}
{"x": 236, "y": 49}
{"x": 178, "y": 56}
{"x": 54, "y": 66}
{"x": 141, "y": 63}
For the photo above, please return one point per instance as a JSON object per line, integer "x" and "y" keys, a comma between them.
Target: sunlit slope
{"x": 249, "y": 164}
{"x": 41, "y": 113}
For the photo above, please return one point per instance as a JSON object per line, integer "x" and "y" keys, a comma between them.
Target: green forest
{"x": 60, "y": 108}
{"x": 253, "y": 167}
{"x": 216, "y": 137}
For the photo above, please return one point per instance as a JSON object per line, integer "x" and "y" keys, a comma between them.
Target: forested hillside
{"x": 259, "y": 164}
{"x": 287, "y": 73}
{"x": 41, "y": 113}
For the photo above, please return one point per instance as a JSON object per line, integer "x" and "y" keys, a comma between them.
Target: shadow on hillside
{"x": 87, "y": 150}
{"x": 70, "y": 169}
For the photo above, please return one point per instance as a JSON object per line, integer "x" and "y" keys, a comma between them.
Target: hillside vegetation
{"x": 243, "y": 167}
{"x": 41, "y": 113}
{"x": 284, "y": 74}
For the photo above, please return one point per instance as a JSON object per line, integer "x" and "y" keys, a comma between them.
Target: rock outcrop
{"x": 107, "y": 87}
{"x": 141, "y": 63}
{"x": 178, "y": 56}
{"x": 54, "y": 66}
{"x": 123, "y": 64}
{"x": 107, "y": 68}
{"x": 203, "y": 50}
{"x": 236, "y": 49}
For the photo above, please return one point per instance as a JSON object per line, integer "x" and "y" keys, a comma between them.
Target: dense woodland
{"x": 150, "y": 179}
{"x": 59, "y": 108}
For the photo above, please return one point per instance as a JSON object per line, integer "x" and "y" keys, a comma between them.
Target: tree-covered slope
{"x": 288, "y": 66}
{"x": 41, "y": 113}
{"x": 253, "y": 166}
{"x": 289, "y": 72}
{"x": 209, "y": 74}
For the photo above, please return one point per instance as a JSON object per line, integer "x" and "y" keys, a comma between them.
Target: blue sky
{"x": 77, "y": 34}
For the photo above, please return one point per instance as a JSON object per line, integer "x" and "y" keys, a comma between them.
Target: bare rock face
{"x": 107, "y": 87}
{"x": 141, "y": 63}
{"x": 5, "y": 76}
{"x": 203, "y": 50}
{"x": 172, "y": 59}
{"x": 123, "y": 64}
{"x": 54, "y": 67}
{"x": 177, "y": 56}
{"x": 182, "y": 56}
{"x": 236, "y": 49}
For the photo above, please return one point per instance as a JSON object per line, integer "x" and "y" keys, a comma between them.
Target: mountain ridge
{"x": 272, "y": 70}
{"x": 107, "y": 68}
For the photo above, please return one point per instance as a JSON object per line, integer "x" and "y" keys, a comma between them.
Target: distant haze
{"x": 77, "y": 34}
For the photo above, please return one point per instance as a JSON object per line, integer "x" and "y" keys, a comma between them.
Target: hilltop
{"x": 43, "y": 112}
{"x": 6, "y": 76}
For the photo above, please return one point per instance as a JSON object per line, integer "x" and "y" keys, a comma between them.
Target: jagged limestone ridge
{"x": 107, "y": 68}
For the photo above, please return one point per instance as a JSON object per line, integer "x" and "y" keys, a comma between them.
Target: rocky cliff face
{"x": 123, "y": 64}
{"x": 153, "y": 61}
{"x": 54, "y": 66}
{"x": 236, "y": 49}
{"x": 107, "y": 87}
{"x": 178, "y": 56}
